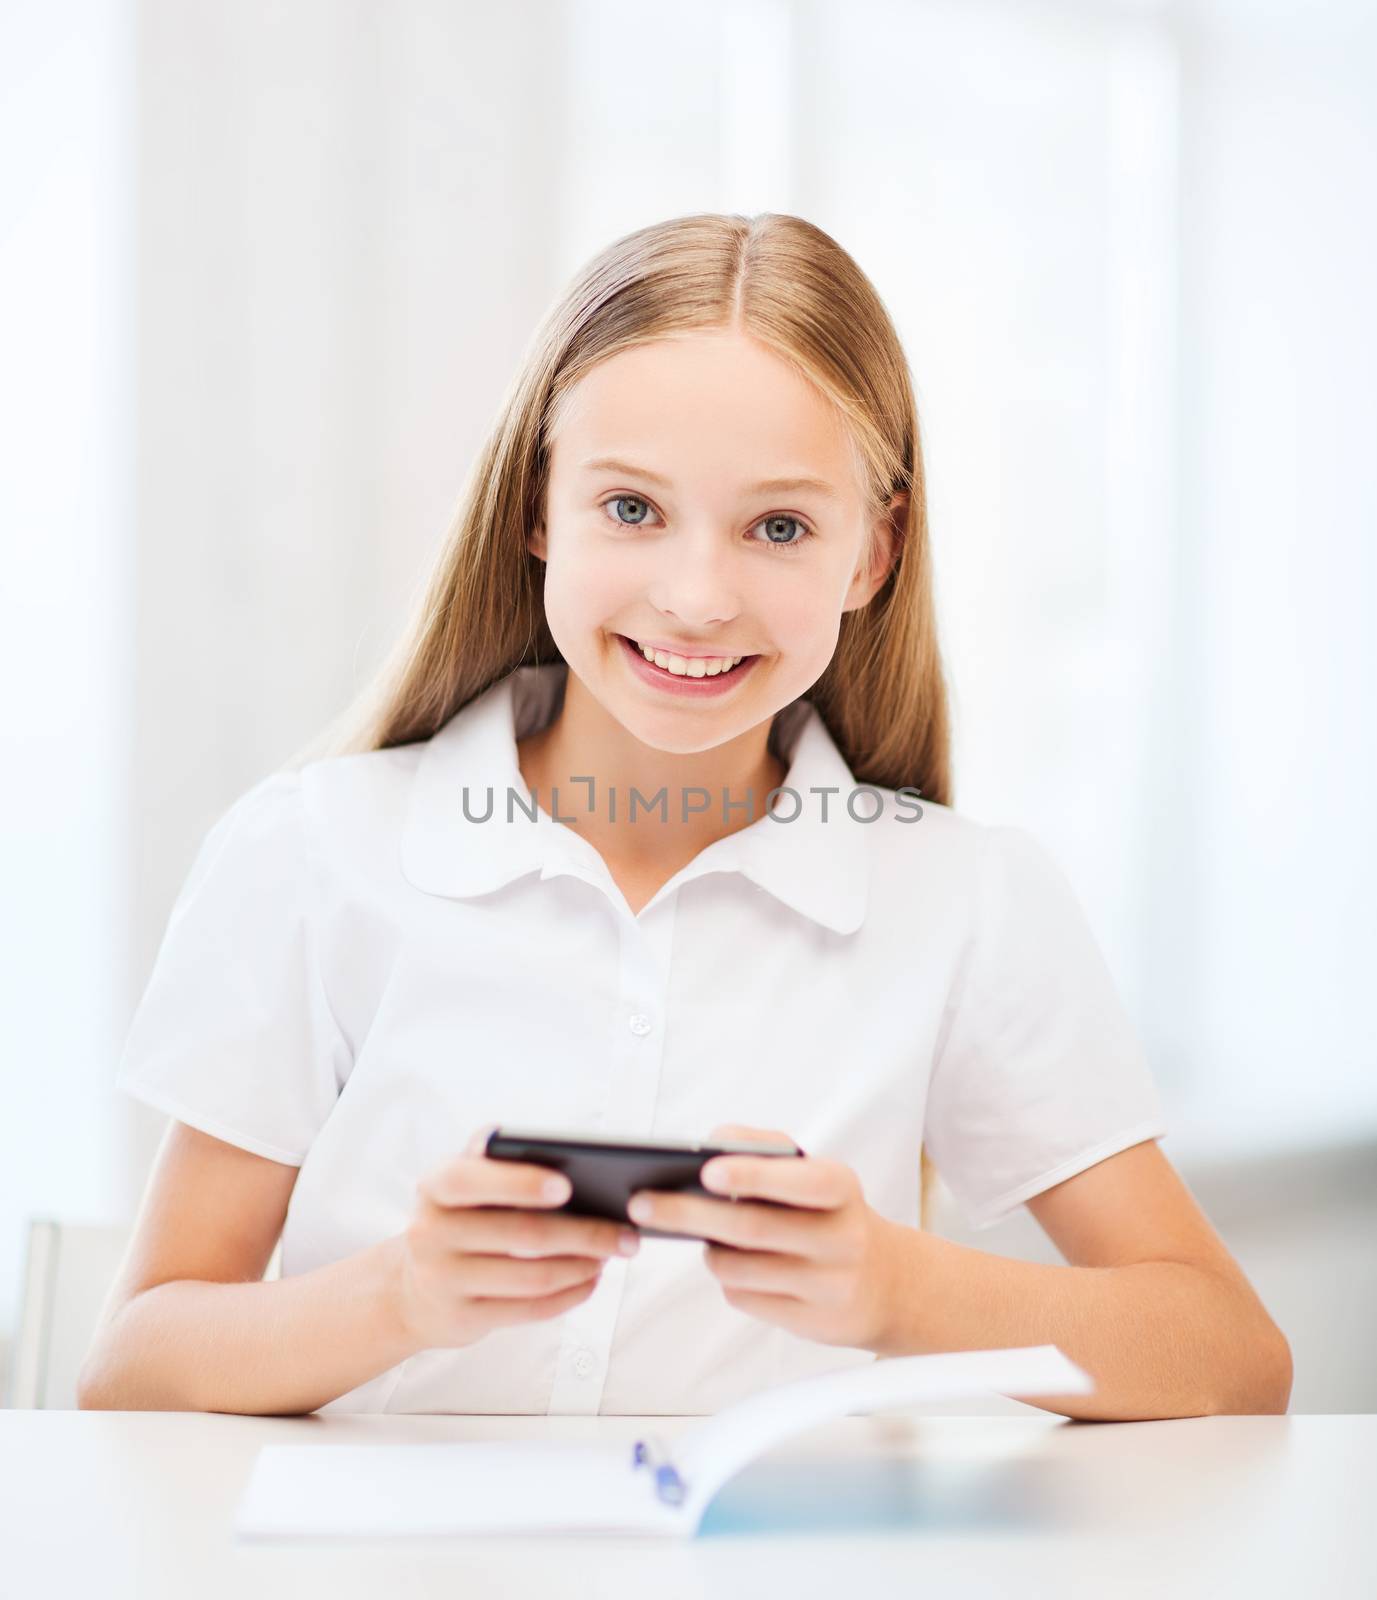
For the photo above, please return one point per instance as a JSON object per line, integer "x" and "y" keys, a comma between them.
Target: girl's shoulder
{"x": 912, "y": 835}
{"x": 995, "y": 884}
{"x": 362, "y": 783}
{"x": 336, "y": 812}
{"x": 919, "y": 861}
{"x": 932, "y": 858}
{"x": 355, "y": 806}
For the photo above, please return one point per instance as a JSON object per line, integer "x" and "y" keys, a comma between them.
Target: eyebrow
{"x": 765, "y": 486}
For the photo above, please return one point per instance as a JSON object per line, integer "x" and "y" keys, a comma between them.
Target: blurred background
{"x": 266, "y": 269}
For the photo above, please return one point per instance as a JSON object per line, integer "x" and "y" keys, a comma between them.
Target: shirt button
{"x": 584, "y": 1364}
{"x": 639, "y": 1024}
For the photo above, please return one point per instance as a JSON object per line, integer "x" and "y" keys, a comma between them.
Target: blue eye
{"x": 635, "y": 500}
{"x": 779, "y": 521}
{"x": 806, "y": 533}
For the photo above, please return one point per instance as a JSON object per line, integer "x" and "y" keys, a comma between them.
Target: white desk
{"x": 116, "y": 1504}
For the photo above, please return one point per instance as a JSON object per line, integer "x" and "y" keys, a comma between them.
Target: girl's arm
{"x": 190, "y": 1326}
{"x": 1151, "y": 1302}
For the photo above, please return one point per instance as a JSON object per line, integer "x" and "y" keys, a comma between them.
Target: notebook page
{"x": 708, "y": 1454}
{"x": 429, "y": 1490}
{"x": 506, "y": 1486}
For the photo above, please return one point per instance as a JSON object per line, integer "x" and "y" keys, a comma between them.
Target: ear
{"x": 536, "y": 542}
{"x": 887, "y": 535}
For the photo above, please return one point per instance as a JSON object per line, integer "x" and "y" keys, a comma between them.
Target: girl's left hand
{"x": 823, "y": 1265}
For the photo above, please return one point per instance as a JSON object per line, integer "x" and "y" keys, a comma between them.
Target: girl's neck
{"x": 583, "y": 741}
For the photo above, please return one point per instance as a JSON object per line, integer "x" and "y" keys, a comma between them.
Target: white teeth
{"x": 690, "y": 667}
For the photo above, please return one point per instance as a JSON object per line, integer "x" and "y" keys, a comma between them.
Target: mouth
{"x": 684, "y": 675}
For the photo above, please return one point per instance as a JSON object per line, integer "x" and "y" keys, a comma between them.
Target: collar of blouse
{"x": 818, "y": 868}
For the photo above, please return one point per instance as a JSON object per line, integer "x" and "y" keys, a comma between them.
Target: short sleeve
{"x": 234, "y": 1034}
{"x": 1040, "y": 1073}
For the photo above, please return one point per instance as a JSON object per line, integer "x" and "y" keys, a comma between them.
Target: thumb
{"x": 739, "y": 1130}
{"x": 479, "y": 1139}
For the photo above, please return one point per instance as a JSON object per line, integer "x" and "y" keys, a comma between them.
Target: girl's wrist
{"x": 387, "y": 1262}
{"x": 899, "y": 1324}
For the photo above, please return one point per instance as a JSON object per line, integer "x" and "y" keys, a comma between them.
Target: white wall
{"x": 1277, "y": 788}
{"x": 343, "y": 219}
{"x": 1128, "y": 250}
{"x": 67, "y": 546}
{"x": 1007, "y": 175}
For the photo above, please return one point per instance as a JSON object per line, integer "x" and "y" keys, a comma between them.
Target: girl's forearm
{"x": 281, "y": 1348}
{"x": 1160, "y": 1338}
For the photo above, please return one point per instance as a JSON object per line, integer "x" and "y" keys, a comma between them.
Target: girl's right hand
{"x": 478, "y": 1252}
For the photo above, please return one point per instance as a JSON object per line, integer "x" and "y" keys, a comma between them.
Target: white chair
{"x": 68, "y": 1272}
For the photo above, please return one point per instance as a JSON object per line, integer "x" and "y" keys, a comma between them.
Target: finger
{"x": 476, "y": 1181}
{"x": 503, "y": 1278}
{"x": 740, "y": 1224}
{"x": 762, "y": 1272}
{"x": 783, "y": 1310}
{"x": 491, "y": 1230}
{"x": 739, "y": 1130}
{"x": 809, "y": 1181}
{"x": 537, "y": 1307}
{"x": 478, "y": 1143}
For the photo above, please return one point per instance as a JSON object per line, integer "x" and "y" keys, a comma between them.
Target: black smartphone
{"x": 605, "y": 1171}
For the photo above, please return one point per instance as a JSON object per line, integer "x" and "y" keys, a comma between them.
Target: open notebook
{"x": 640, "y": 1487}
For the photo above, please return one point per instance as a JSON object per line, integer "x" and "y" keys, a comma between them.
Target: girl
{"x": 629, "y": 839}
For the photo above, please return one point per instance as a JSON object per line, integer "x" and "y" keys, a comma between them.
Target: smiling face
{"x": 703, "y": 497}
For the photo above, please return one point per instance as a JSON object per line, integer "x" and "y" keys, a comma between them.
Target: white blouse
{"x": 358, "y": 974}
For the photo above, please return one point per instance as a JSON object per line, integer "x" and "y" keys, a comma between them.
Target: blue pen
{"x": 668, "y": 1484}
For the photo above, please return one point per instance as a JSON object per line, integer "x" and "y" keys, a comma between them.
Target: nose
{"x": 696, "y": 581}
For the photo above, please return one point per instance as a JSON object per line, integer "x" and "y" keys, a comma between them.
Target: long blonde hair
{"x": 790, "y": 286}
